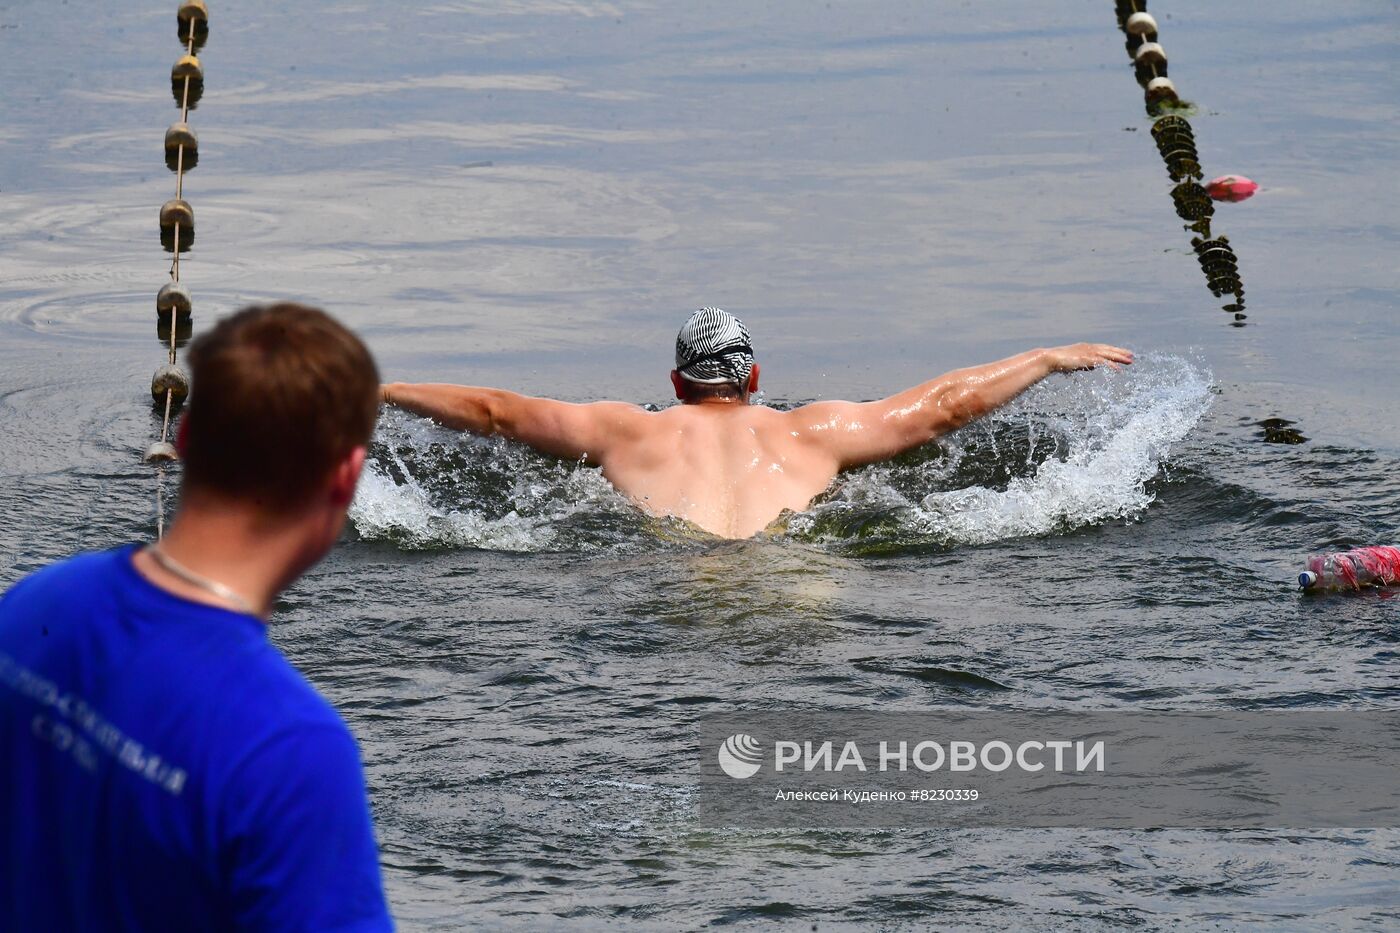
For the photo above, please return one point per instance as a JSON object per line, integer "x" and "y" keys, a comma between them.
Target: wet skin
{"x": 729, "y": 467}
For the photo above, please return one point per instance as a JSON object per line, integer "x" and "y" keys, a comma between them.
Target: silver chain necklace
{"x": 220, "y": 590}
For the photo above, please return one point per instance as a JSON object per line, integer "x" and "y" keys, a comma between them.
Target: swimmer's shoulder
{"x": 620, "y": 417}
{"x": 802, "y": 418}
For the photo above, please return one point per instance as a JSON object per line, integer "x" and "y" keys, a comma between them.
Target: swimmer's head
{"x": 714, "y": 359}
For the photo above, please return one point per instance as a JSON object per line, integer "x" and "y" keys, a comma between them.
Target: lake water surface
{"x": 533, "y": 194}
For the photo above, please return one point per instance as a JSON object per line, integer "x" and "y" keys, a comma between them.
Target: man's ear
{"x": 345, "y": 476}
{"x": 678, "y": 382}
{"x": 753, "y": 379}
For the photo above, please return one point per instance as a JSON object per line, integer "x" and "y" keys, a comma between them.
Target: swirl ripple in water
{"x": 1073, "y": 451}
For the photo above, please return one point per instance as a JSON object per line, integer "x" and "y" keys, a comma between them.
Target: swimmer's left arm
{"x": 560, "y": 429}
{"x": 856, "y": 433}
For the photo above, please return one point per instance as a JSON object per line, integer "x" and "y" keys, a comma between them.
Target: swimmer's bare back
{"x": 730, "y": 467}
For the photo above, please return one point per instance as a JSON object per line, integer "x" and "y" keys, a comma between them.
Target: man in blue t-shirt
{"x": 162, "y": 766}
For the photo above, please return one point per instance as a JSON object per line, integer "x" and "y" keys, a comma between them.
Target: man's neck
{"x": 719, "y": 400}
{"x": 234, "y": 545}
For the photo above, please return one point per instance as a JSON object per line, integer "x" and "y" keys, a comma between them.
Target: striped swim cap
{"x": 713, "y": 348}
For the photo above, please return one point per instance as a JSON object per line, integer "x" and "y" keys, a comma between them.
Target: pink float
{"x": 1231, "y": 188}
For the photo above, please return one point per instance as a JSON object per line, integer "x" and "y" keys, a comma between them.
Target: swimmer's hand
{"x": 1078, "y": 356}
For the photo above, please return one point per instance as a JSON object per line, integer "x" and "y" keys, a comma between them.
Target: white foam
{"x": 465, "y": 492}
{"x": 1114, "y": 430}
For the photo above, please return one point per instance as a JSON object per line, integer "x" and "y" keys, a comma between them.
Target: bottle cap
{"x": 1307, "y": 579}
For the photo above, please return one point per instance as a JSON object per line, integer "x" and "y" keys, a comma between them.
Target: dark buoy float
{"x": 187, "y": 66}
{"x": 187, "y": 80}
{"x": 176, "y": 214}
{"x": 1140, "y": 24}
{"x": 177, "y": 139}
{"x": 1160, "y": 89}
{"x": 161, "y": 452}
{"x": 174, "y": 298}
{"x": 192, "y": 15}
{"x": 170, "y": 378}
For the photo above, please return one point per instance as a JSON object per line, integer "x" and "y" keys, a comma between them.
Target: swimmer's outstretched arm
{"x": 856, "y": 433}
{"x": 561, "y": 429}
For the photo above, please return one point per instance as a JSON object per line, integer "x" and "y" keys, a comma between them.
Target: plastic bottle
{"x": 1352, "y": 570}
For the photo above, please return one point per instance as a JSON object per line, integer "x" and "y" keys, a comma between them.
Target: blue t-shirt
{"x": 163, "y": 767}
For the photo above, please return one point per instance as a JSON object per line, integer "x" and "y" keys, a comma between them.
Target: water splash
{"x": 427, "y": 487}
{"x": 1072, "y": 452}
{"x": 1067, "y": 454}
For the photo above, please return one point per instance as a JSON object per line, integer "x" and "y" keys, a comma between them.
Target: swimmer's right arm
{"x": 561, "y": 429}
{"x": 856, "y": 433}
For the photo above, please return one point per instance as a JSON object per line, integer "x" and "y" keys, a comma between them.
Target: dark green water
{"x": 533, "y": 194}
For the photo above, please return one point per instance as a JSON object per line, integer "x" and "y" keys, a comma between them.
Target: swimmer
{"x": 725, "y": 465}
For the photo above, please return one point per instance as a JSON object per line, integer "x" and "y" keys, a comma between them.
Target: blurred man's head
{"x": 714, "y": 361}
{"x": 283, "y": 400}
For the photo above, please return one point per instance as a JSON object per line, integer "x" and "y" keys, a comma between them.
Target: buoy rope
{"x": 193, "y": 24}
{"x": 175, "y": 263}
{"x": 1177, "y": 145}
